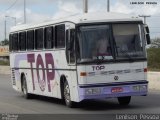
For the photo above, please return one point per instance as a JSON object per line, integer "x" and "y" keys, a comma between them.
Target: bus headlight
{"x": 139, "y": 88}
{"x": 143, "y": 87}
{"x": 135, "y": 88}
{"x": 92, "y": 91}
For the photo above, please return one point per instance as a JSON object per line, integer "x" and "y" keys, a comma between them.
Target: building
{"x": 4, "y": 53}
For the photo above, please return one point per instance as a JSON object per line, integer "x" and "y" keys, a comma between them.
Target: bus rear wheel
{"x": 67, "y": 96}
{"x": 24, "y": 88}
{"x": 124, "y": 100}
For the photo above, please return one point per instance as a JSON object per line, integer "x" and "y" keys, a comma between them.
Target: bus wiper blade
{"x": 97, "y": 60}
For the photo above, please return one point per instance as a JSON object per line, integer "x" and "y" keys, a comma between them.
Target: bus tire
{"x": 124, "y": 100}
{"x": 24, "y": 88}
{"x": 67, "y": 96}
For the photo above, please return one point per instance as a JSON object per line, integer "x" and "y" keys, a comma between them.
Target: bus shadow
{"x": 49, "y": 99}
{"x": 90, "y": 105}
{"x": 95, "y": 105}
{"x": 100, "y": 105}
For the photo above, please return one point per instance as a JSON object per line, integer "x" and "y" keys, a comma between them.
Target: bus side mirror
{"x": 148, "y": 39}
{"x": 147, "y": 34}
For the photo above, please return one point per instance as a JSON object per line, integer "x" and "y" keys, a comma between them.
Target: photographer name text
{"x": 143, "y": 3}
{"x": 138, "y": 117}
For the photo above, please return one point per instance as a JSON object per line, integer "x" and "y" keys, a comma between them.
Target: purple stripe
{"x": 106, "y": 92}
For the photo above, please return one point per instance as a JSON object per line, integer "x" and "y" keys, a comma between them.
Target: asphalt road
{"x": 14, "y": 103}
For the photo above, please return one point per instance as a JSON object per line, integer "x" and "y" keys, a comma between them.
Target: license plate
{"x": 117, "y": 89}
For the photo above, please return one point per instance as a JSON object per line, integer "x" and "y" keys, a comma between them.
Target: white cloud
{"x": 64, "y": 8}
{"x": 35, "y": 17}
{"x": 67, "y": 8}
{"x": 124, "y": 6}
{"x": 32, "y": 18}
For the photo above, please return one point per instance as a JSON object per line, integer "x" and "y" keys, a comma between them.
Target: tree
{"x": 4, "y": 42}
{"x": 155, "y": 43}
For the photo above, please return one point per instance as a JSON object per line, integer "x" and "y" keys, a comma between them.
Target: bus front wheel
{"x": 124, "y": 100}
{"x": 24, "y": 88}
{"x": 67, "y": 96}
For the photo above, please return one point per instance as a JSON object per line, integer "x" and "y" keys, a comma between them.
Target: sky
{"x": 45, "y": 10}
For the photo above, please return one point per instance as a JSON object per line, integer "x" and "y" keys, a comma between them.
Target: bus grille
{"x": 13, "y": 77}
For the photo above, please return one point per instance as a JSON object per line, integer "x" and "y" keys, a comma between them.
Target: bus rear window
{"x": 22, "y": 41}
{"x": 30, "y": 40}
{"x": 49, "y": 37}
{"x": 39, "y": 38}
{"x": 60, "y": 35}
{"x": 15, "y": 42}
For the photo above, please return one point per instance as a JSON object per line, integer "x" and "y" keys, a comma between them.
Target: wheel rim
{"x": 24, "y": 86}
{"x": 67, "y": 93}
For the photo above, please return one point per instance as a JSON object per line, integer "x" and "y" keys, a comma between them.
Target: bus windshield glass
{"x": 95, "y": 43}
{"x": 128, "y": 41}
{"x": 111, "y": 42}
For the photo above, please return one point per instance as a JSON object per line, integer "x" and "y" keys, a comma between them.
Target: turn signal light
{"x": 145, "y": 69}
{"x": 83, "y": 74}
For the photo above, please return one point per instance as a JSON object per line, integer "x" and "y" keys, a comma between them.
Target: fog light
{"x": 143, "y": 87}
{"x": 88, "y": 91}
{"x": 92, "y": 91}
{"x": 136, "y": 88}
{"x": 96, "y": 91}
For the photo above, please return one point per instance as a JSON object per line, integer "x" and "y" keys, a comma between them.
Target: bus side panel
{"x": 145, "y": 74}
{"x": 15, "y": 73}
{"x": 43, "y": 71}
{"x": 74, "y": 87}
{"x": 112, "y": 80}
{"x": 69, "y": 72}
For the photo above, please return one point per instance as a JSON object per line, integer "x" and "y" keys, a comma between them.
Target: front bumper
{"x": 113, "y": 90}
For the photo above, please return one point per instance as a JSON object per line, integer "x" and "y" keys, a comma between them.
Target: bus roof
{"x": 81, "y": 18}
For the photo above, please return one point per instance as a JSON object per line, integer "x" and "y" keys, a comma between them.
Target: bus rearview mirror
{"x": 147, "y": 33}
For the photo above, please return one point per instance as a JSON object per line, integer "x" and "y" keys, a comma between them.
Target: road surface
{"x": 14, "y": 103}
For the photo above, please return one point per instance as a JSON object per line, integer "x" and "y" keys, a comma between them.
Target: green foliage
{"x": 155, "y": 43}
{"x": 154, "y": 59}
{"x": 4, "y": 42}
{"x": 6, "y": 63}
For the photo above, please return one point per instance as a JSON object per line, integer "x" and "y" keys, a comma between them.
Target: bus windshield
{"x": 128, "y": 41}
{"x": 111, "y": 42}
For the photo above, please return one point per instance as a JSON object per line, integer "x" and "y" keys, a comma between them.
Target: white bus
{"x": 88, "y": 56}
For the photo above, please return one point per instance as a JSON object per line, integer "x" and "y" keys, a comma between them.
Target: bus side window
{"x": 15, "y": 42}
{"x": 10, "y": 42}
{"x": 70, "y": 41}
{"x": 39, "y": 38}
{"x": 30, "y": 40}
{"x": 60, "y": 36}
{"x": 49, "y": 39}
{"x": 67, "y": 45}
{"x": 22, "y": 41}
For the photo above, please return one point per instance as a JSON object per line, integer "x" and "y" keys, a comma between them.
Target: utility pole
{"x": 144, "y": 17}
{"x": 108, "y": 5}
{"x": 5, "y": 29}
{"x": 24, "y": 11}
{"x": 85, "y": 6}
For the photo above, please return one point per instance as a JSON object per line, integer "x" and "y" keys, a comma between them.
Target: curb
{"x": 5, "y": 70}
